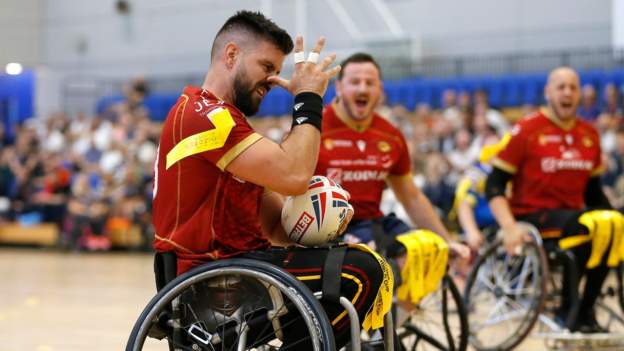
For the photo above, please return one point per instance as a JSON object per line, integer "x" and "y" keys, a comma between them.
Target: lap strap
{"x": 332, "y": 272}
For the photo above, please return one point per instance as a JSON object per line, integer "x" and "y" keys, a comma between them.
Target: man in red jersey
{"x": 363, "y": 152}
{"x": 553, "y": 161}
{"x": 217, "y": 180}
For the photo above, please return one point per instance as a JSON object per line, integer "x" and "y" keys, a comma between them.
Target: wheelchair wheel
{"x": 505, "y": 295}
{"x": 438, "y": 323}
{"x": 235, "y": 304}
{"x": 608, "y": 308}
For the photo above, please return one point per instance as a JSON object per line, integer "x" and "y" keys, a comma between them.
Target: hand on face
{"x": 308, "y": 76}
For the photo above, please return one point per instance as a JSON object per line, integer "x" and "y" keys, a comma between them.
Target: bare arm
{"x": 495, "y": 186}
{"x": 465, "y": 214}
{"x": 416, "y": 204}
{"x": 287, "y": 167}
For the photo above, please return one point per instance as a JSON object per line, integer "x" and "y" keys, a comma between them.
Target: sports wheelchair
{"x": 236, "y": 304}
{"x": 248, "y": 304}
{"x": 505, "y": 297}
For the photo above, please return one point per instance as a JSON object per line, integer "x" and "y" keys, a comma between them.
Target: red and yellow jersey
{"x": 551, "y": 162}
{"x": 201, "y": 211}
{"x": 361, "y": 160}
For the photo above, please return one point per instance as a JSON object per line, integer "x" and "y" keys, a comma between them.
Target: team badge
{"x": 383, "y": 146}
{"x": 587, "y": 142}
{"x": 361, "y": 144}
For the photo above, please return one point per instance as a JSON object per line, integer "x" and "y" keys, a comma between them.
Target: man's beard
{"x": 244, "y": 99}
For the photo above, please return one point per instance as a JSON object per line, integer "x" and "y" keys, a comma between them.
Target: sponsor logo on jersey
{"x": 333, "y": 143}
{"x": 363, "y": 175}
{"x": 553, "y": 164}
{"x": 383, "y": 146}
{"x": 303, "y": 223}
{"x": 546, "y": 139}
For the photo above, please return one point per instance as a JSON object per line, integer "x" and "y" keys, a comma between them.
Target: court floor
{"x": 53, "y": 301}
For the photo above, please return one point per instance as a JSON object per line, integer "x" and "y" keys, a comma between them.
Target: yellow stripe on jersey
{"x": 225, "y": 160}
{"x": 204, "y": 141}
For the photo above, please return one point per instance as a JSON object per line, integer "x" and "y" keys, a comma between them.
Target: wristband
{"x": 308, "y": 109}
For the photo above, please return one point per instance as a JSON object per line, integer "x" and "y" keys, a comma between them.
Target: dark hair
{"x": 358, "y": 57}
{"x": 257, "y": 24}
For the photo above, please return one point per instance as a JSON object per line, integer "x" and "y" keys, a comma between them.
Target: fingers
{"x": 299, "y": 43}
{"x": 277, "y": 80}
{"x": 319, "y": 45}
{"x": 333, "y": 72}
{"x": 298, "y": 54}
{"x": 327, "y": 61}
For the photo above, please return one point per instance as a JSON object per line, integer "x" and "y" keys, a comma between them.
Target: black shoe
{"x": 588, "y": 325}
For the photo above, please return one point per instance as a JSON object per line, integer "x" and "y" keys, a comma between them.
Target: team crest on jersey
{"x": 587, "y": 142}
{"x": 383, "y": 146}
{"x": 361, "y": 145}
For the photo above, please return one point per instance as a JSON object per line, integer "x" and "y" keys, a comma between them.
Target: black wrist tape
{"x": 308, "y": 109}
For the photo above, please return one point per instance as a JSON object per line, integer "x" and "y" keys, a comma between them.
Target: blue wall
{"x": 16, "y": 98}
{"x": 504, "y": 91}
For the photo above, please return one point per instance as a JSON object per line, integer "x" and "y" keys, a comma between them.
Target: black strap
{"x": 332, "y": 270}
{"x": 165, "y": 268}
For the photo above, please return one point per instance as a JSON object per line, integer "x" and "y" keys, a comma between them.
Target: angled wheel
{"x": 505, "y": 295}
{"x": 236, "y": 304}
{"x": 438, "y": 323}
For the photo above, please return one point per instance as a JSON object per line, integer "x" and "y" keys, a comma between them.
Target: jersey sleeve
{"x": 510, "y": 158}
{"x": 403, "y": 166}
{"x": 218, "y": 135}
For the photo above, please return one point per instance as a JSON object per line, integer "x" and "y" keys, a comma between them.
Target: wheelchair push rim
{"x": 510, "y": 283}
{"x": 309, "y": 309}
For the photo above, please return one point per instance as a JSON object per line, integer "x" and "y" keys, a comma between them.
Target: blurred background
{"x": 85, "y": 85}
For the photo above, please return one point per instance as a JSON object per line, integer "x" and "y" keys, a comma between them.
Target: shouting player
{"x": 553, "y": 162}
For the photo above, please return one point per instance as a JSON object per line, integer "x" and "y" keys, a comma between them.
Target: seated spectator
{"x": 494, "y": 117}
{"x": 613, "y": 178}
{"x": 612, "y": 105}
{"x": 588, "y": 108}
{"x": 450, "y": 110}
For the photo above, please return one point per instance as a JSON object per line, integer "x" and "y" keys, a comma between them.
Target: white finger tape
{"x": 299, "y": 57}
{"x": 313, "y": 57}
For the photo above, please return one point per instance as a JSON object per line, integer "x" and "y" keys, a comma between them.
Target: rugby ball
{"x": 319, "y": 215}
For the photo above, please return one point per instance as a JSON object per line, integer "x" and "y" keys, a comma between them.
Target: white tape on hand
{"x": 299, "y": 57}
{"x": 313, "y": 57}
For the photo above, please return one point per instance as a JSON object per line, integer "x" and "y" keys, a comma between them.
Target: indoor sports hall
{"x": 92, "y": 93}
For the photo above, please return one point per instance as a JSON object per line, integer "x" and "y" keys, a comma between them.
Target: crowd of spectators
{"x": 92, "y": 175}
{"x": 89, "y": 175}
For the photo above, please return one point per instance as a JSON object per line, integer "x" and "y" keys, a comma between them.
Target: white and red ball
{"x": 319, "y": 215}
